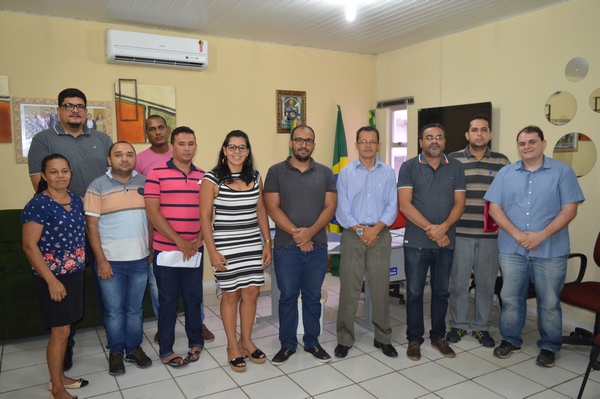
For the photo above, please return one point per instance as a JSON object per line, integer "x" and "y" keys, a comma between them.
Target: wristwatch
{"x": 360, "y": 231}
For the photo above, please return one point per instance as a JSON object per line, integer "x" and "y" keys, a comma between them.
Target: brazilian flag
{"x": 340, "y": 159}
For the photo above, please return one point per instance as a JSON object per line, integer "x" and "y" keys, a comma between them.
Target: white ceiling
{"x": 381, "y": 26}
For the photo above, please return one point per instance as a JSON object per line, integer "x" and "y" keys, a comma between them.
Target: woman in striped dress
{"x": 235, "y": 224}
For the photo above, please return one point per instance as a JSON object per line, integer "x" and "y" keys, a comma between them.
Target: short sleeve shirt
{"x": 433, "y": 195}
{"x": 301, "y": 195}
{"x": 62, "y": 242}
{"x": 531, "y": 200}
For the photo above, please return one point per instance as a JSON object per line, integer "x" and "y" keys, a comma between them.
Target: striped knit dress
{"x": 237, "y": 235}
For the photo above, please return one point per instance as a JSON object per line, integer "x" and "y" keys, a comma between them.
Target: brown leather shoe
{"x": 443, "y": 347}
{"x": 414, "y": 351}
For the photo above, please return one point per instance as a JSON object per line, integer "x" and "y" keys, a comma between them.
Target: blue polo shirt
{"x": 531, "y": 200}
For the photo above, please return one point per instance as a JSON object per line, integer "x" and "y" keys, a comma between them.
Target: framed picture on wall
{"x": 32, "y": 115}
{"x": 291, "y": 105}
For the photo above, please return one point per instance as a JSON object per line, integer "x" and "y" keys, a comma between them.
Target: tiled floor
{"x": 365, "y": 373}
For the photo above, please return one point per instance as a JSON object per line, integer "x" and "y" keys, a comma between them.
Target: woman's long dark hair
{"x": 222, "y": 171}
{"x": 43, "y": 184}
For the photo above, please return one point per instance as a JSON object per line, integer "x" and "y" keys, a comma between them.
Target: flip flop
{"x": 174, "y": 362}
{"x": 256, "y": 357}
{"x": 238, "y": 364}
{"x": 192, "y": 356}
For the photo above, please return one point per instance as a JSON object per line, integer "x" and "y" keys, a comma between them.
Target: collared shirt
{"x": 87, "y": 154}
{"x": 301, "y": 196}
{"x": 433, "y": 195}
{"x": 366, "y": 196}
{"x": 120, "y": 207}
{"x": 479, "y": 174}
{"x": 179, "y": 196}
{"x": 531, "y": 200}
{"x": 148, "y": 159}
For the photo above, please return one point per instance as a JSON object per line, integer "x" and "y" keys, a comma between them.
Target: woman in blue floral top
{"x": 54, "y": 242}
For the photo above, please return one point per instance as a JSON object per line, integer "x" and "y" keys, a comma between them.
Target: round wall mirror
{"x": 576, "y": 69}
{"x": 595, "y": 100}
{"x": 577, "y": 150}
{"x": 560, "y": 108}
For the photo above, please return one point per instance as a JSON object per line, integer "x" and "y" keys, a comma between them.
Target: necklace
{"x": 67, "y": 204}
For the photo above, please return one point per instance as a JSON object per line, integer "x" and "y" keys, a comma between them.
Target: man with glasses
{"x": 159, "y": 153}
{"x": 432, "y": 195}
{"x": 367, "y": 205}
{"x": 301, "y": 197}
{"x": 87, "y": 151}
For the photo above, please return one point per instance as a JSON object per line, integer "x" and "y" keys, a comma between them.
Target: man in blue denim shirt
{"x": 533, "y": 201}
{"x": 301, "y": 197}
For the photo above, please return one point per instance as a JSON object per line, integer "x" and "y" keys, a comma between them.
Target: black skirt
{"x": 67, "y": 311}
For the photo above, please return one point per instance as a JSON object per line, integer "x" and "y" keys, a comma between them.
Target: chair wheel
{"x": 402, "y": 302}
{"x": 574, "y": 334}
{"x": 596, "y": 365}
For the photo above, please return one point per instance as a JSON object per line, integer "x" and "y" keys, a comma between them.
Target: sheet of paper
{"x": 175, "y": 259}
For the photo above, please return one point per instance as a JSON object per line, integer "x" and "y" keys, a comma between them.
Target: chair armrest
{"x": 582, "y": 267}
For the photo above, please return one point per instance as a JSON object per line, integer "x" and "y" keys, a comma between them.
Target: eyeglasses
{"x": 71, "y": 107}
{"x": 439, "y": 137}
{"x": 300, "y": 141}
{"x": 365, "y": 142}
{"x": 232, "y": 147}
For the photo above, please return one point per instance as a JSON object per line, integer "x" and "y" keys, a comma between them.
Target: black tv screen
{"x": 455, "y": 119}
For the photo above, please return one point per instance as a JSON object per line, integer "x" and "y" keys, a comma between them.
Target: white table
{"x": 396, "y": 274}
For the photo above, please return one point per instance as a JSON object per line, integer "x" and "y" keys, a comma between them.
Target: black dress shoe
{"x": 387, "y": 349}
{"x": 68, "y": 361}
{"x": 341, "y": 350}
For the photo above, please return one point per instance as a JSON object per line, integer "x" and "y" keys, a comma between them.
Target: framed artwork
{"x": 134, "y": 103}
{"x": 32, "y": 115}
{"x": 5, "y": 128}
{"x": 291, "y": 107}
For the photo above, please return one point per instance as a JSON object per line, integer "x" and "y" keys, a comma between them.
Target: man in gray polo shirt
{"x": 301, "y": 197}
{"x": 87, "y": 151}
{"x": 432, "y": 195}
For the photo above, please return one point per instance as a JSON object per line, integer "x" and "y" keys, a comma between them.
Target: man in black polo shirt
{"x": 301, "y": 197}
{"x": 432, "y": 195}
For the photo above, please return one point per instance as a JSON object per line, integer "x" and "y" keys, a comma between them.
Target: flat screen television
{"x": 455, "y": 120}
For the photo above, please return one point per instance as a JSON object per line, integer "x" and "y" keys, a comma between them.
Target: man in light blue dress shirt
{"x": 533, "y": 201}
{"x": 367, "y": 205}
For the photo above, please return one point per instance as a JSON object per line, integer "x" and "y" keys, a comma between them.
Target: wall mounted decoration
{"x": 291, "y": 105}
{"x": 5, "y": 128}
{"x": 32, "y": 115}
{"x": 135, "y": 102}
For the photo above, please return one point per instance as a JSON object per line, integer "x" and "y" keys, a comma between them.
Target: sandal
{"x": 257, "y": 357}
{"x": 192, "y": 356}
{"x": 175, "y": 362}
{"x": 238, "y": 364}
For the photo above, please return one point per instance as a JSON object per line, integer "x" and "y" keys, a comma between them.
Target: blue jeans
{"x": 123, "y": 295}
{"x": 417, "y": 261}
{"x": 298, "y": 273}
{"x": 170, "y": 281}
{"x": 154, "y": 292}
{"x": 548, "y": 276}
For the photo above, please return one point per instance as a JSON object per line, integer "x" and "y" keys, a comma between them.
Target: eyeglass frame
{"x": 365, "y": 142}
{"x": 437, "y": 137}
{"x": 71, "y": 107}
{"x": 233, "y": 148}
{"x": 299, "y": 141}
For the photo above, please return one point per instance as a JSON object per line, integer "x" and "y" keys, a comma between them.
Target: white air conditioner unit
{"x": 144, "y": 48}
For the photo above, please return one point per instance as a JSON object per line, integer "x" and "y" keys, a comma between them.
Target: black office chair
{"x": 593, "y": 361}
